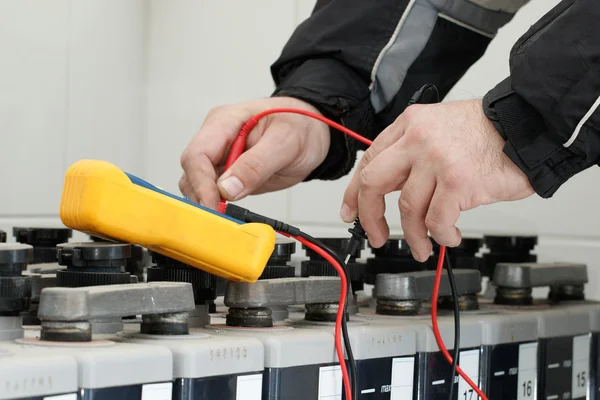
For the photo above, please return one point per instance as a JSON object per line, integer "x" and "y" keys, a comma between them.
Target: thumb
{"x": 254, "y": 167}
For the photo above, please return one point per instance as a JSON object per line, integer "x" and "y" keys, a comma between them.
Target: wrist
{"x": 340, "y": 95}
{"x": 528, "y": 143}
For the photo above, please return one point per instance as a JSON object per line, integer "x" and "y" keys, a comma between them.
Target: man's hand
{"x": 282, "y": 150}
{"x": 444, "y": 158}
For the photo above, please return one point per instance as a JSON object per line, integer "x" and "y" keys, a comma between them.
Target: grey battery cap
{"x": 283, "y": 251}
{"x": 508, "y": 242}
{"x": 282, "y": 292}
{"x": 83, "y": 254}
{"x": 15, "y": 289}
{"x": 468, "y": 245}
{"x": 418, "y": 285}
{"x": 393, "y": 257}
{"x": 15, "y": 253}
{"x": 530, "y": 275}
{"x": 338, "y": 245}
{"x": 171, "y": 270}
{"x": 92, "y": 263}
{"x": 43, "y": 240}
{"x": 395, "y": 246}
{"x": 278, "y": 264}
{"x": 37, "y": 236}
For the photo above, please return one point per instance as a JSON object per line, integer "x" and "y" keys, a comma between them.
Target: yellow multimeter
{"x": 102, "y": 200}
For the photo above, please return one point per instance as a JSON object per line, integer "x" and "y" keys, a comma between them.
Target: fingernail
{"x": 416, "y": 256}
{"x": 347, "y": 214}
{"x": 233, "y": 186}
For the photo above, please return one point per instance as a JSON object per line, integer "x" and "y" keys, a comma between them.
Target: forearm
{"x": 547, "y": 110}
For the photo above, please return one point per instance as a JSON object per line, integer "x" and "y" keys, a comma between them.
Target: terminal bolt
{"x": 560, "y": 293}
{"x": 513, "y": 296}
{"x": 165, "y": 324}
{"x": 322, "y": 312}
{"x": 467, "y": 302}
{"x": 260, "y": 317}
{"x": 66, "y": 331}
{"x": 398, "y": 307}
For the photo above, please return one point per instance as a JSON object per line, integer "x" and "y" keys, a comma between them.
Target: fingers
{"x": 206, "y": 150}
{"x": 413, "y": 204}
{"x": 185, "y": 188}
{"x": 387, "y": 138}
{"x": 442, "y": 216}
{"x": 199, "y": 182}
{"x": 385, "y": 174}
{"x": 272, "y": 152}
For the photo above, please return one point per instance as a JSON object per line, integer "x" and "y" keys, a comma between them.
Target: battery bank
{"x": 26, "y": 373}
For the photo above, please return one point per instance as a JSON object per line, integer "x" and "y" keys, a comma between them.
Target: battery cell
{"x": 26, "y": 373}
{"x": 210, "y": 366}
{"x": 115, "y": 371}
{"x": 298, "y": 363}
{"x": 384, "y": 355}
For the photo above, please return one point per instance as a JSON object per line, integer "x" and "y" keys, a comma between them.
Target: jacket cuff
{"x": 340, "y": 95}
{"x": 529, "y": 144}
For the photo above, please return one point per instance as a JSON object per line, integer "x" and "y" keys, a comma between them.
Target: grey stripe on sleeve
{"x": 414, "y": 29}
{"x": 407, "y": 42}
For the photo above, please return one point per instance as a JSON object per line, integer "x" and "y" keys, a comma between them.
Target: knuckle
{"x": 412, "y": 110}
{"x": 183, "y": 184}
{"x": 416, "y": 135}
{"x": 184, "y": 159}
{"x": 432, "y": 223}
{"x": 215, "y": 111}
{"x": 365, "y": 179}
{"x": 366, "y": 159}
{"x": 252, "y": 169}
{"x": 405, "y": 205}
{"x": 453, "y": 179}
{"x": 436, "y": 153}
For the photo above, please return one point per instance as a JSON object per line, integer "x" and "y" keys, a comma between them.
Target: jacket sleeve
{"x": 359, "y": 62}
{"x": 547, "y": 109}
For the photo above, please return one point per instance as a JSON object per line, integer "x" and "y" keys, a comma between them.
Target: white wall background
{"x": 131, "y": 81}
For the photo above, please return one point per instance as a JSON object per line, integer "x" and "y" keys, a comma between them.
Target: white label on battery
{"x": 330, "y": 383}
{"x": 249, "y": 387}
{"x": 527, "y": 375}
{"x": 469, "y": 363}
{"x": 157, "y": 391}
{"x": 581, "y": 365}
{"x": 70, "y": 396}
{"x": 403, "y": 370}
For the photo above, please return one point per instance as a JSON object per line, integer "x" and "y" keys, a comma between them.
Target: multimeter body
{"x": 102, "y": 200}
